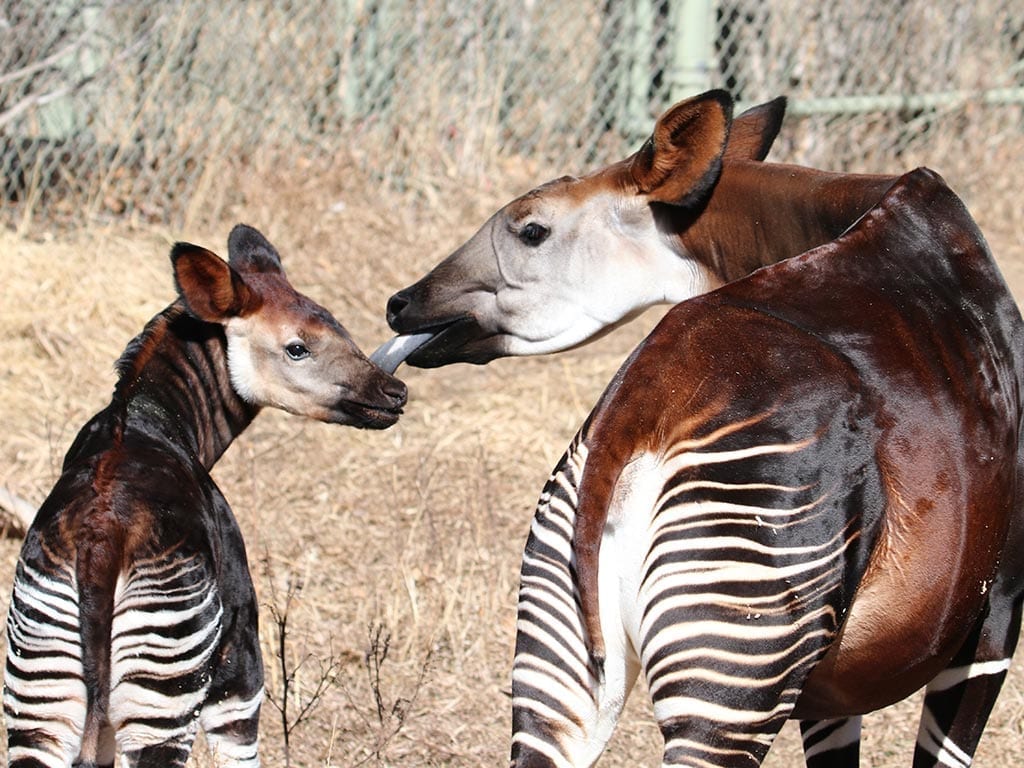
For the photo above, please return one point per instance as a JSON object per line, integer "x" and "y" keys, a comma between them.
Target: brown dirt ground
{"x": 414, "y": 533}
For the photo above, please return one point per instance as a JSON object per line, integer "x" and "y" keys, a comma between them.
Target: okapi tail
{"x": 97, "y": 569}
{"x": 607, "y": 455}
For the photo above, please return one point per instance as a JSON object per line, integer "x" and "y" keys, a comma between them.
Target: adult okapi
{"x": 800, "y": 496}
{"x": 133, "y": 620}
{"x": 693, "y": 209}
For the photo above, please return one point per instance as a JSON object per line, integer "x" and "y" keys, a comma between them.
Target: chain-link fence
{"x": 147, "y": 107}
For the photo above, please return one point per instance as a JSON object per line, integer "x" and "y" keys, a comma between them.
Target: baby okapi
{"x": 133, "y": 620}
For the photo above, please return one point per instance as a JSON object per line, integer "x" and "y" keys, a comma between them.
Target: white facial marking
{"x": 603, "y": 263}
{"x": 241, "y": 365}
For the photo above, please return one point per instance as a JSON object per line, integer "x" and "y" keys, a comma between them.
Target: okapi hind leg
{"x": 140, "y": 748}
{"x": 232, "y": 731}
{"x": 172, "y": 753}
{"x": 52, "y": 742}
{"x": 959, "y": 700}
{"x": 231, "y": 713}
{"x": 44, "y": 693}
{"x": 697, "y": 740}
{"x": 564, "y": 709}
{"x": 831, "y": 743}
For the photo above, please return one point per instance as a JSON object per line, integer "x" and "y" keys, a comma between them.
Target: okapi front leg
{"x": 831, "y": 743}
{"x": 959, "y": 700}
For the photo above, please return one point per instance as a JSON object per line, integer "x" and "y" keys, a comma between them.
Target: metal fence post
{"x": 692, "y": 58}
{"x": 641, "y": 61}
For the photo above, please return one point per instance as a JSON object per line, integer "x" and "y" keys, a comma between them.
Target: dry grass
{"x": 416, "y": 531}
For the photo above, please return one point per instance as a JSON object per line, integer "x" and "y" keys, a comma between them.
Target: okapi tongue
{"x": 392, "y": 354}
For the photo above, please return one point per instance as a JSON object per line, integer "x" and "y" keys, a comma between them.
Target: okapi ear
{"x": 679, "y": 164}
{"x": 250, "y": 251}
{"x": 211, "y": 289}
{"x": 753, "y": 132}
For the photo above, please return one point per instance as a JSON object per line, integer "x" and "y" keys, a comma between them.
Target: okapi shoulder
{"x": 922, "y": 210}
{"x": 919, "y": 234}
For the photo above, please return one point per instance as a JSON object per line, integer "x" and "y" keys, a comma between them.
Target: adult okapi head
{"x": 284, "y": 350}
{"x": 577, "y": 256}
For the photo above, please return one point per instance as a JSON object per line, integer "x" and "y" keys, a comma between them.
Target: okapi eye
{"x": 297, "y": 350}
{"x": 534, "y": 233}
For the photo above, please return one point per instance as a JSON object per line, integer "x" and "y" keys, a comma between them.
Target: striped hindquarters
{"x": 167, "y": 625}
{"x": 720, "y": 575}
{"x": 738, "y": 594}
{"x": 44, "y": 688}
{"x": 552, "y": 677}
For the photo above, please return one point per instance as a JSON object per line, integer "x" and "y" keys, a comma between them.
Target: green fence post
{"x": 641, "y": 61}
{"x": 692, "y": 58}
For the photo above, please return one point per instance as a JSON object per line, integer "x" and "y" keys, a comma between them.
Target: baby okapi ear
{"x": 679, "y": 164}
{"x": 753, "y": 132}
{"x": 211, "y": 289}
{"x": 250, "y": 251}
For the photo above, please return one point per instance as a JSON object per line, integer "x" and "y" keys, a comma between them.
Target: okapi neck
{"x": 175, "y": 389}
{"x": 786, "y": 210}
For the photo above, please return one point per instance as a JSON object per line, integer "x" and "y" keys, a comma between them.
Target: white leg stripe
{"x": 225, "y": 712}
{"x": 543, "y": 747}
{"x": 841, "y": 737}
{"x": 932, "y": 740}
{"x": 950, "y": 678}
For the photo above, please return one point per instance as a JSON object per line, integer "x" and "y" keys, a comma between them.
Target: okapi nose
{"x": 396, "y": 390}
{"x": 396, "y": 304}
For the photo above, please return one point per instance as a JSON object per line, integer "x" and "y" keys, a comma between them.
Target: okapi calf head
{"x": 284, "y": 350}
